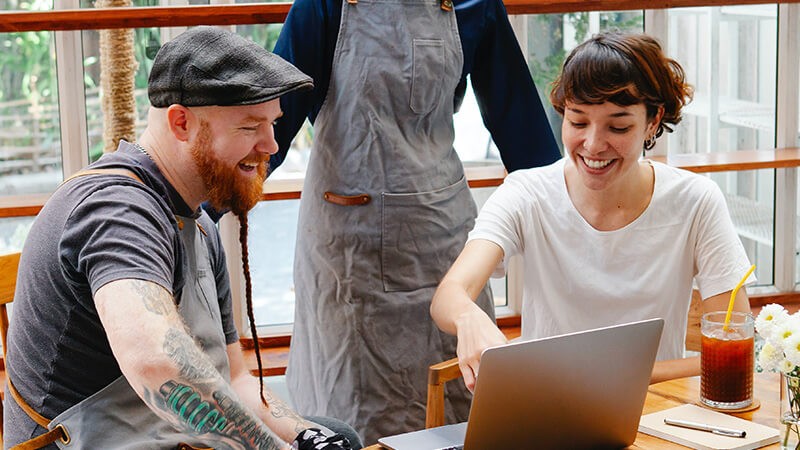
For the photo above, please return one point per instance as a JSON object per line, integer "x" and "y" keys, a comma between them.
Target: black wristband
{"x": 315, "y": 439}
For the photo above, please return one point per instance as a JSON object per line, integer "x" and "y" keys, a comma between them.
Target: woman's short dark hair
{"x": 625, "y": 69}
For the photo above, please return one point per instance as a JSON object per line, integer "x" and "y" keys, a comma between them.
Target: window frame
{"x": 72, "y": 113}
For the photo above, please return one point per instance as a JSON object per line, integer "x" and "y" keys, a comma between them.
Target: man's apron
{"x": 384, "y": 213}
{"x": 115, "y": 417}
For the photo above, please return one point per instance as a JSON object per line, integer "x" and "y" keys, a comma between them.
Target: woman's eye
{"x": 620, "y": 129}
{"x": 577, "y": 124}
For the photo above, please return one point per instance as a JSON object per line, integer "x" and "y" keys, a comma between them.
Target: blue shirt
{"x": 507, "y": 97}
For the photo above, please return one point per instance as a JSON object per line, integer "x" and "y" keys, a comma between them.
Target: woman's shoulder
{"x": 532, "y": 186}
{"x": 550, "y": 172}
{"x": 676, "y": 182}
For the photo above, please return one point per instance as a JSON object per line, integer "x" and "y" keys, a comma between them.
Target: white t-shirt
{"x": 579, "y": 278}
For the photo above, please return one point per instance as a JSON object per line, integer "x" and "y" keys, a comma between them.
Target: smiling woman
{"x": 638, "y": 233}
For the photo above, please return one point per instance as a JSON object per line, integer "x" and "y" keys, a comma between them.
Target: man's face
{"x": 232, "y": 150}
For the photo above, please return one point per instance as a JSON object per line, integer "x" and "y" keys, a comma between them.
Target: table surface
{"x": 687, "y": 390}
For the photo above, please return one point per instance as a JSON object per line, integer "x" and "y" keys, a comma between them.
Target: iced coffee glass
{"x": 726, "y": 360}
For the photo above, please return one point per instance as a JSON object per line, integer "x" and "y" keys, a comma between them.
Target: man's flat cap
{"x": 207, "y": 66}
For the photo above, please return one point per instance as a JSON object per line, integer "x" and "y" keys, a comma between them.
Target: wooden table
{"x": 687, "y": 390}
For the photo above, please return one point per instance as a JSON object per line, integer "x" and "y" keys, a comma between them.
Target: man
{"x": 385, "y": 207}
{"x": 122, "y": 332}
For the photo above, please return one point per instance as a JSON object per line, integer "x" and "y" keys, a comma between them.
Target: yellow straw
{"x": 733, "y": 297}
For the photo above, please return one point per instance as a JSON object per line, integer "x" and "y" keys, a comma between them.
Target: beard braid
{"x": 248, "y": 292}
{"x": 226, "y": 188}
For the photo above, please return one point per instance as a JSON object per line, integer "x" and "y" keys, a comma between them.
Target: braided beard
{"x": 226, "y": 188}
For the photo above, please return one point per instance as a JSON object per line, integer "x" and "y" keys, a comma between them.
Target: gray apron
{"x": 384, "y": 213}
{"x": 115, "y": 417}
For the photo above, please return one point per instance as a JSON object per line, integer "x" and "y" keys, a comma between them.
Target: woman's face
{"x": 604, "y": 141}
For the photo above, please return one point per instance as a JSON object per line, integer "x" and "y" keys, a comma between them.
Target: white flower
{"x": 782, "y": 332}
{"x": 769, "y": 318}
{"x": 792, "y": 349}
{"x": 786, "y": 366}
{"x": 769, "y": 358}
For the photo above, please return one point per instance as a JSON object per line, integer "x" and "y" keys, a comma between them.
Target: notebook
{"x": 579, "y": 390}
{"x": 757, "y": 435}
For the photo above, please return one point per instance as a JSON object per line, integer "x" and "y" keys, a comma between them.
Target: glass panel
{"x": 13, "y": 231}
{"x": 729, "y": 54}
{"x": 146, "y": 43}
{"x": 273, "y": 228}
{"x": 30, "y": 140}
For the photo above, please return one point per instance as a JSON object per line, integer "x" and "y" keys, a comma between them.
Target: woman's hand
{"x": 476, "y": 332}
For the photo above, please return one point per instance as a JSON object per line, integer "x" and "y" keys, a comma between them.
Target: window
{"x": 50, "y": 121}
{"x": 729, "y": 54}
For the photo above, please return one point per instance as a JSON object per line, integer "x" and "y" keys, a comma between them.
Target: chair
{"x": 9, "y": 265}
{"x": 441, "y": 373}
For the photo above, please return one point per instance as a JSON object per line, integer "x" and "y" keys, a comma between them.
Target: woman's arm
{"x": 454, "y": 310}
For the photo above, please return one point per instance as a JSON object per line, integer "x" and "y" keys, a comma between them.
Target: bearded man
{"x": 122, "y": 333}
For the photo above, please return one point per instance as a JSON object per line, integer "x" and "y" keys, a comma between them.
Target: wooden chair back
{"x": 439, "y": 374}
{"x": 9, "y": 265}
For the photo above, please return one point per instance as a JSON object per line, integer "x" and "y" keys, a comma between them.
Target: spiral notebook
{"x": 757, "y": 435}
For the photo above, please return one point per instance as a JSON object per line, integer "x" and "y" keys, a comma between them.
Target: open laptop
{"x": 578, "y": 390}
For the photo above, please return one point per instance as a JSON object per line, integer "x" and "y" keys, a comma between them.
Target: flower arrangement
{"x": 781, "y": 353}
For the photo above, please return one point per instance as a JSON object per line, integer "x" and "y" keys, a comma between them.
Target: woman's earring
{"x": 650, "y": 142}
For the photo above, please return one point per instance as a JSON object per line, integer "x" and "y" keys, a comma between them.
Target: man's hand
{"x": 315, "y": 439}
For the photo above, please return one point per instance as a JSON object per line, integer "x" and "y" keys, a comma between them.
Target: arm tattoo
{"x": 192, "y": 364}
{"x": 279, "y": 409}
{"x": 220, "y": 419}
{"x": 153, "y": 297}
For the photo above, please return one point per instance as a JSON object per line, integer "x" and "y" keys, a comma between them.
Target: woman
{"x": 605, "y": 236}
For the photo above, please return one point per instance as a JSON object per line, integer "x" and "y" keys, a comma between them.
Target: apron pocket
{"x": 422, "y": 234}
{"x": 427, "y": 76}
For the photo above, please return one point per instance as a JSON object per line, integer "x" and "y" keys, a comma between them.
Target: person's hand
{"x": 316, "y": 439}
{"x": 476, "y": 332}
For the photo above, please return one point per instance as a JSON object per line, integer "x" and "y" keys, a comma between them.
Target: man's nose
{"x": 268, "y": 144}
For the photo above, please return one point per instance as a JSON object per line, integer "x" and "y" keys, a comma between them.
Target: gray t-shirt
{"x": 95, "y": 229}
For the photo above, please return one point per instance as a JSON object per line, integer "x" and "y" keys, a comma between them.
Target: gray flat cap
{"x": 207, "y": 66}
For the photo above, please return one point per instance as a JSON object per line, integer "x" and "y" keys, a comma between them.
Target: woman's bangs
{"x": 599, "y": 76}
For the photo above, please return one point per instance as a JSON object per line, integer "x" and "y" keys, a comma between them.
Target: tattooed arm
{"x": 170, "y": 373}
{"x": 279, "y": 417}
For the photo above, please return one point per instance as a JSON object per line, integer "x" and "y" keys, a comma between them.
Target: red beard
{"x": 226, "y": 187}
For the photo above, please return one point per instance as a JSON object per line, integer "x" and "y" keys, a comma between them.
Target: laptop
{"x": 578, "y": 390}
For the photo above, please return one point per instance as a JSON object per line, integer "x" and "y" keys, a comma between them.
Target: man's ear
{"x": 179, "y": 119}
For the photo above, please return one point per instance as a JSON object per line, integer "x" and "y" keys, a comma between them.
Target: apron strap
{"x": 124, "y": 172}
{"x": 59, "y": 432}
{"x": 46, "y": 439}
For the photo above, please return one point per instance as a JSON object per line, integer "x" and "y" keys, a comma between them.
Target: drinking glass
{"x": 726, "y": 360}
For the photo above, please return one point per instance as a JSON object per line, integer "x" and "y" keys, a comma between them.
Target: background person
{"x": 122, "y": 331}
{"x": 385, "y": 206}
{"x": 606, "y": 237}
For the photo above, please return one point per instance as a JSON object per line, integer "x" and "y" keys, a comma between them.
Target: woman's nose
{"x": 594, "y": 140}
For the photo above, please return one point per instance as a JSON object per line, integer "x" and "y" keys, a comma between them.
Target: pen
{"x": 722, "y": 431}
